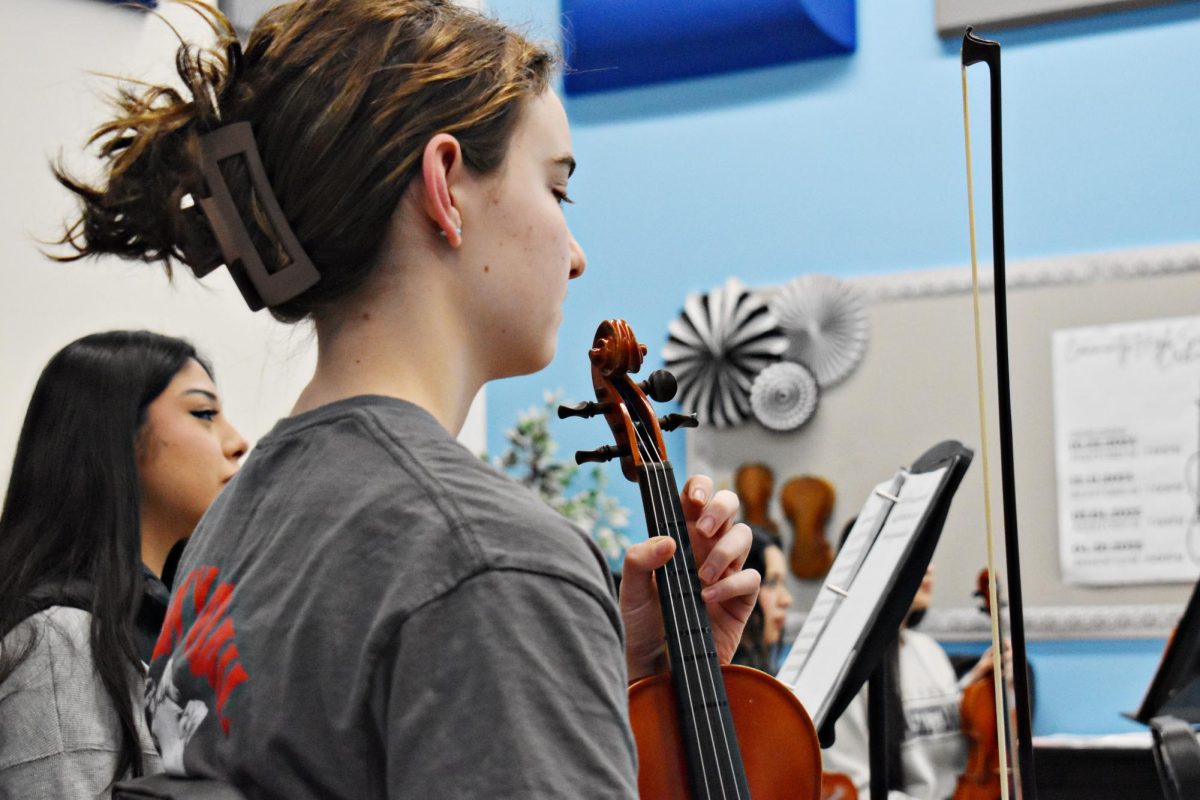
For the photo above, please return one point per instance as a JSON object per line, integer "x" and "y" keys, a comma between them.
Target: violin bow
{"x": 974, "y": 51}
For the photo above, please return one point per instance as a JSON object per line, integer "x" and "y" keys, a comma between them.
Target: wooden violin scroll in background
{"x": 704, "y": 730}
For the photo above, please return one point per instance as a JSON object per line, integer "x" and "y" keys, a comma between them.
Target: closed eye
{"x": 206, "y": 414}
{"x": 561, "y": 196}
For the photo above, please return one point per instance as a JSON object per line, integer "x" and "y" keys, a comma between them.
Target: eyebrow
{"x": 204, "y": 392}
{"x": 567, "y": 161}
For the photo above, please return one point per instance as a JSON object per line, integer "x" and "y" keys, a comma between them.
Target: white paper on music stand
{"x": 841, "y": 575}
{"x": 835, "y": 628}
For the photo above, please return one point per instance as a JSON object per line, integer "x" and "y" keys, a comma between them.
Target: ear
{"x": 441, "y": 164}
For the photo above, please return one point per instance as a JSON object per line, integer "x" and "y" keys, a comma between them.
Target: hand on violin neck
{"x": 981, "y": 670}
{"x": 720, "y": 546}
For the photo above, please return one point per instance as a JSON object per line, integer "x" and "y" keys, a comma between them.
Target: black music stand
{"x": 867, "y": 660}
{"x": 1175, "y": 689}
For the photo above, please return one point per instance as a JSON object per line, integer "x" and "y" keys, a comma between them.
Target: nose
{"x": 578, "y": 259}
{"x": 233, "y": 443}
{"x": 785, "y": 598}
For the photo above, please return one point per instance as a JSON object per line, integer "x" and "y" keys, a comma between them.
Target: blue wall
{"x": 1082, "y": 687}
{"x": 854, "y": 165}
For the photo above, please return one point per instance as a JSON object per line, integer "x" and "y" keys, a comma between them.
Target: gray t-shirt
{"x": 370, "y": 611}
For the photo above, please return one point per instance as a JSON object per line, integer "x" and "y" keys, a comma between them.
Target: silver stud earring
{"x": 457, "y": 230}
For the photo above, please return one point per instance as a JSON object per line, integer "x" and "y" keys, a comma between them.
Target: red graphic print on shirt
{"x": 199, "y": 619}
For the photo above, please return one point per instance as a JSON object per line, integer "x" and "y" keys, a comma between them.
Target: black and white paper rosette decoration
{"x": 825, "y": 320}
{"x": 784, "y": 396}
{"x": 716, "y": 347}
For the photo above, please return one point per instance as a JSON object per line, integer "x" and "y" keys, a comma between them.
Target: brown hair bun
{"x": 342, "y": 96}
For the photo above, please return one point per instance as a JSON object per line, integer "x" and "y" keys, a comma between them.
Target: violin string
{"x": 678, "y": 562}
{"x": 710, "y": 661}
{"x": 997, "y": 660}
{"x": 660, "y": 522}
{"x": 662, "y": 485}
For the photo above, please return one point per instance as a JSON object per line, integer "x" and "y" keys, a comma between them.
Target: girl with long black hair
{"x": 762, "y": 640}
{"x": 123, "y": 447}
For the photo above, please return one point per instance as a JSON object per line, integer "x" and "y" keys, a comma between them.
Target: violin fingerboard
{"x": 714, "y": 760}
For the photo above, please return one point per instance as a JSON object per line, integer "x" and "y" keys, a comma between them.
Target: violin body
{"x": 780, "y": 751}
{"x": 808, "y": 502}
{"x": 837, "y": 786}
{"x": 981, "y": 778}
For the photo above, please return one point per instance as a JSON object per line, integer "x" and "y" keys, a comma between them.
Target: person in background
{"x": 926, "y": 748}
{"x": 369, "y": 610}
{"x": 123, "y": 447}
{"x": 761, "y": 640}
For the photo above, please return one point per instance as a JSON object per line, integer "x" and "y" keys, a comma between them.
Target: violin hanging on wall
{"x": 808, "y": 503}
{"x": 704, "y": 730}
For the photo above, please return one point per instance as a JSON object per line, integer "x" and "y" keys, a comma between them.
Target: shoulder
{"x": 54, "y": 703}
{"x": 58, "y": 636}
{"x": 924, "y": 666}
{"x": 924, "y": 646}
{"x": 495, "y": 523}
{"x": 373, "y": 496}
{"x": 383, "y": 471}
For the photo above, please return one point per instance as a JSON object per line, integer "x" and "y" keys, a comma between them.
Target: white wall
{"x": 50, "y": 52}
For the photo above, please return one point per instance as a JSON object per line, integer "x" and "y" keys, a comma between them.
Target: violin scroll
{"x": 637, "y": 431}
{"x": 615, "y": 350}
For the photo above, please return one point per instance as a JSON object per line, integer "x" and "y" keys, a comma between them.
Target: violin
{"x": 981, "y": 778}
{"x": 808, "y": 502}
{"x": 753, "y": 484}
{"x": 837, "y": 786}
{"x": 702, "y": 730}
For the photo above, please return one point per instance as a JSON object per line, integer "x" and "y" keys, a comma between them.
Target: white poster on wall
{"x": 1127, "y": 434}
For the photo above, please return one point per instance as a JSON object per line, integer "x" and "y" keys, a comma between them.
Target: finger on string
{"x": 727, "y": 554}
{"x": 741, "y": 586}
{"x": 696, "y": 493}
{"x": 717, "y": 514}
{"x": 641, "y": 560}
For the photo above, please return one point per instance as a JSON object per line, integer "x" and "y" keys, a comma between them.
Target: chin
{"x": 545, "y": 355}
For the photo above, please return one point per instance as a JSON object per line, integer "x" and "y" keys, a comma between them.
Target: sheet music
{"x": 853, "y": 592}
{"x": 841, "y": 575}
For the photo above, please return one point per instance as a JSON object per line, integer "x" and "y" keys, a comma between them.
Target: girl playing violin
{"x": 926, "y": 749}
{"x": 368, "y": 610}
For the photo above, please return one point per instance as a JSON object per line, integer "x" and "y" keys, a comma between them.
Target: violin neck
{"x": 714, "y": 760}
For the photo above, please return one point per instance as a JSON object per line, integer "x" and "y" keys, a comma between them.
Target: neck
{"x": 403, "y": 340}
{"x": 157, "y": 541}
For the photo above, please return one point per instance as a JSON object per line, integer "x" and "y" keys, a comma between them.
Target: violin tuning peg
{"x": 585, "y": 409}
{"x": 660, "y": 385}
{"x": 606, "y": 453}
{"x": 672, "y": 421}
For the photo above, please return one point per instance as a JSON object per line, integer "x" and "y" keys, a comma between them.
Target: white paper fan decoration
{"x": 826, "y": 323}
{"x": 784, "y": 396}
{"x": 716, "y": 347}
